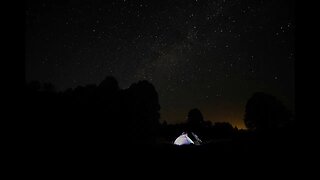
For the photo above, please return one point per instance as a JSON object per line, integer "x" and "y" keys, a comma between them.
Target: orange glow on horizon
{"x": 234, "y": 117}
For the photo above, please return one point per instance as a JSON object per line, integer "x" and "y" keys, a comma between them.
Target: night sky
{"x": 206, "y": 54}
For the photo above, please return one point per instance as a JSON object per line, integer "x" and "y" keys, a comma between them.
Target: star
{"x": 217, "y": 51}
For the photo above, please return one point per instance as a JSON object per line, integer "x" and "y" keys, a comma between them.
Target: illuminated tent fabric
{"x": 197, "y": 140}
{"x": 183, "y": 139}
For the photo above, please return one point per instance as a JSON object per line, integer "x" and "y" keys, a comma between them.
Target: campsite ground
{"x": 223, "y": 154}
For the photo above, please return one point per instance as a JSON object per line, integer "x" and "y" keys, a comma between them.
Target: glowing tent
{"x": 183, "y": 139}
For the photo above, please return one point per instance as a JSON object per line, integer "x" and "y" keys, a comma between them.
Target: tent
{"x": 183, "y": 139}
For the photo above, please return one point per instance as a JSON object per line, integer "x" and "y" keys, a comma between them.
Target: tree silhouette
{"x": 109, "y": 84}
{"x": 265, "y": 112}
{"x": 195, "y": 123}
{"x": 195, "y": 118}
{"x": 143, "y": 110}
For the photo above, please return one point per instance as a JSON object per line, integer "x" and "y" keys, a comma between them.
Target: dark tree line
{"x": 94, "y": 115}
{"x": 105, "y": 116}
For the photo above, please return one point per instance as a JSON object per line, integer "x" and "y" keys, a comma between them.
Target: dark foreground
{"x": 65, "y": 154}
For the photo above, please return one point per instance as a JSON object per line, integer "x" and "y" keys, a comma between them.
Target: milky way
{"x": 211, "y": 55}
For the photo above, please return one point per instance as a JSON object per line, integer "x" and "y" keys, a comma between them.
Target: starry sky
{"x": 206, "y": 54}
